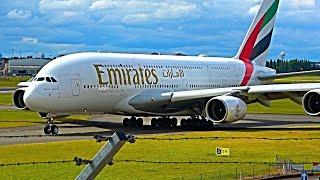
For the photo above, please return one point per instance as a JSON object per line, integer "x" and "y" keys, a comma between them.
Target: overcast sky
{"x": 213, "y": 27}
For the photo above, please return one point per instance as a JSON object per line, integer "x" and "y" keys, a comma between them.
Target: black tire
{"x": 189, "y": 123}
{"x": 46, "y": 129}
{"x": 154, "y": 123}
{"x": 140, "y": 122}
{"x": 159, "y": 123}
{"x": 133, "y": 122}
{"x": 203, "y": 124}
{"x": 209, "y": 124}
{"x": 183, "y": 123}
{"x": 54, "y": 130}
{"x": 174, "y": 122}
{"x": 126, "y": 122}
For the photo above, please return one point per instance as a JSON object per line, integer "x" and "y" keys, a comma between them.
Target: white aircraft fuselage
{"x": 106, "y": 82}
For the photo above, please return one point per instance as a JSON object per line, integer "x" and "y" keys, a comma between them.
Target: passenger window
{"x": 48, "y": 79}
{"x": 40, "y": 79}
{"x": 53, "y": 79}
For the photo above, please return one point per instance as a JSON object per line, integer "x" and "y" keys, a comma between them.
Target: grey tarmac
{"x": 108, "y": 124}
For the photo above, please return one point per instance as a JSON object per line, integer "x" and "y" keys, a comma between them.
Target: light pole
{"x": 12, "y": 53}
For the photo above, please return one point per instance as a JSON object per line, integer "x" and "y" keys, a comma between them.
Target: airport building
{"x": 26, "y": 66}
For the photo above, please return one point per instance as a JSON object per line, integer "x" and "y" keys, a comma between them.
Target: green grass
{"x": 19, "y": 118}
{"x": 282, "y": 106}
{"x": 181, "y": 150}
{"x": 6, "y": 99}
{"x": 12, "y": 81}
{"x": 299, "y": 79}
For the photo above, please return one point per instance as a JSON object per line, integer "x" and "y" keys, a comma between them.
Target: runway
{"x": 108, "y": 124}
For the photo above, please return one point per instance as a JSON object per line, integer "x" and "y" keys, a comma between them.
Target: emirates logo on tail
{"x": 256, "y": 44}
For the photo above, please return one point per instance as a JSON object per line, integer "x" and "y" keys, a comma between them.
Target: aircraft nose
{"x": 32, "y": 99}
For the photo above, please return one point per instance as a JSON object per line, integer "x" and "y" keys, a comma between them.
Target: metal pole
{"x": 236, "y": 172}
{"x": 105, "y": 155}
{"x": 252, "y": 171}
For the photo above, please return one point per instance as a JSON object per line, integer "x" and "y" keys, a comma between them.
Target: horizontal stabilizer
{"x": 284, "y": 75}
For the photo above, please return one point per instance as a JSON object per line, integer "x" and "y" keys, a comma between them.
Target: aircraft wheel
{"x": 202, "y": 124}
{"x": 126, "y": 122}
{"x": 139, "y": 122}
{"x": 183, "y": 123}
{"x": 209, "y": 124}
{"x": 54, "y": 130}
{"x": 154, "y": 123}
{"x": 133, "y": 122}
{"x": 46, "y": 129}
{"x": 160, "y": 123}
{"x": 174, "y": 122}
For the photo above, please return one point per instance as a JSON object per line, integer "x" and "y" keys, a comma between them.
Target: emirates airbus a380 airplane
{"x": 208, "y": 89}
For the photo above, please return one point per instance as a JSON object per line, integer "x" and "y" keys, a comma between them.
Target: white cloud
{"x": 29, "y": 40}
{"x": 254, "y": 9}
{"x": 303, "y": 4}
{"x": 135, "y": 18}
{"x": 48, "y": 6}
{"x": 143, "y": 11}
{"x": 176, "y": 10}
{"x": 104, "y": 4}
{"x": 19, "y": 14}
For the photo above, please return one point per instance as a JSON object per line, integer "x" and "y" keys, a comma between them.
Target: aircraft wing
{"x": 246, "y": 90}
{"x": 177, "y": 101}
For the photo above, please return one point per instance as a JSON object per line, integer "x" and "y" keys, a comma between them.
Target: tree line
{"x": 294, "y": 65}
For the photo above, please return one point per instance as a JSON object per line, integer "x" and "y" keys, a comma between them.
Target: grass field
{"x": 18, "y": 118}
{"x": 180, "y": 150}
{"x": 299, "y": 79}
{"x": 283, "y": 106}
{"x": 6, "y": 99}
{"x": 12, "y": 81}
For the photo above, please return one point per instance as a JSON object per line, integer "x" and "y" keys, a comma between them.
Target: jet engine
{"x": 311, "y": 102}
{"x": 17, "y": 99}
{"x": 226, "y": 109}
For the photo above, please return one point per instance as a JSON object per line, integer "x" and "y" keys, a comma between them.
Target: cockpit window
{"x": 35, "y": 79}
{"x": 53, "y": 79}
{"x": 40, "y": 79}
{"x": 48, "y": 79}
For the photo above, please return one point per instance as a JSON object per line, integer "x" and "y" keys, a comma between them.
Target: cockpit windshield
{"x": 47, "y": 79}
{"x": 40, "y": 79}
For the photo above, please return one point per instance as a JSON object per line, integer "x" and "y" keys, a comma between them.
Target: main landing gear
{"x": 156, "y": 123}
{"x": 133, "y": 122}
{"x": 50, "y": 128}
{"x": 196, "y": 123}
{"x": 165, "y": 122}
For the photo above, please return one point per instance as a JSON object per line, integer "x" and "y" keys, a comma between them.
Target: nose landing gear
{"x": 50, "y": 128}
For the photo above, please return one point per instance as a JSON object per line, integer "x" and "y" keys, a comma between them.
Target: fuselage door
{"x": 75, "y": 84}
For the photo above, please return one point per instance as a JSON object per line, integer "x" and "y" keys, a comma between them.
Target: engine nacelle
{"x": 17, "y": 99}
{"x": 311, "y": 102}
{"x": 226, "y": 109}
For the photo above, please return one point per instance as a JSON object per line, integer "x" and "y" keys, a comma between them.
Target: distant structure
{"x": 26, "y": 66}
{"x": 282, "y": 55}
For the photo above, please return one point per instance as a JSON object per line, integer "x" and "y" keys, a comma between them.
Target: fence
{"x": 237, "y": 169}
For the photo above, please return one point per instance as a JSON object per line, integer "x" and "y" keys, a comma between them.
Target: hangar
{"x": 26, "y": 66}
